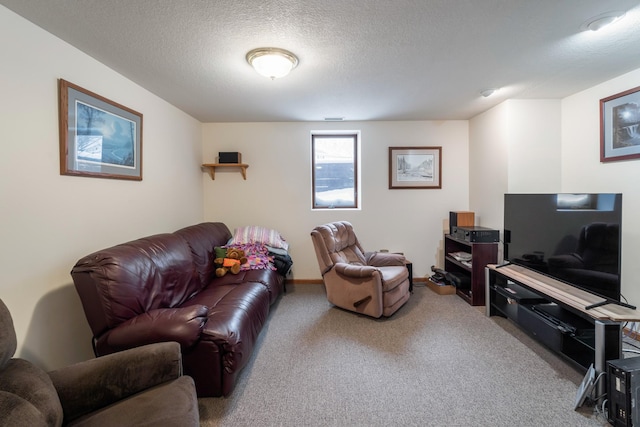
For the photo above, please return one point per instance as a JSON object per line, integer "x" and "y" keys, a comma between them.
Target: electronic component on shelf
{"x": 476, "y": 234}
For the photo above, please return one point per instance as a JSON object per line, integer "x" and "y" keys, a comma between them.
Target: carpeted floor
{"x": 436, "y": 362}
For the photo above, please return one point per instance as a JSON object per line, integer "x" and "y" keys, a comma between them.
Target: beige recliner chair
{"x": 371, "y": 283}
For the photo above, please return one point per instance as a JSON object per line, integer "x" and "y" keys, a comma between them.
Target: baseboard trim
{"x": 319, "y": 281}
{"x": 303, "y": 281}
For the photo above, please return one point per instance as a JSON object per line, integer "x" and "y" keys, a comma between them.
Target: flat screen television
{"x": 575, "y": 238}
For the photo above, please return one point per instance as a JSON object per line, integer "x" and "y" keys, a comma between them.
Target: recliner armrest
{"x": 182, "y": 325}
{"x": 384, "y": 259}
{"x": 87, "y": 386}
{"x": 352, "y": 270}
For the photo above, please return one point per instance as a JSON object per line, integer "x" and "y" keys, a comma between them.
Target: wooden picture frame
{"x": 620, "y": 126}
{"x": 415, "y": 168}
{"x": 98, "y": 137}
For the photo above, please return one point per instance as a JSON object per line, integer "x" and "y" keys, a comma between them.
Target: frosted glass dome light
{"x": 272, "y": 62}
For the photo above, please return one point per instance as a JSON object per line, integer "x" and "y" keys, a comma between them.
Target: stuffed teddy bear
{"x": 228, "y": 260}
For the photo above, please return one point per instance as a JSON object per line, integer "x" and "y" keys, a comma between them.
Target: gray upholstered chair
{"x": 371, "y": 283}
{"x": 138, "y": 387}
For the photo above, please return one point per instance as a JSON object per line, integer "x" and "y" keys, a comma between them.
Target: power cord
{"x": 602, "y": 412}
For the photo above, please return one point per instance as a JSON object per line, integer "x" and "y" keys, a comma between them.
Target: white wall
{"x": 582, "y": 170}
{"x": 554, "y": 146}
{"x": 534, "y": 145}
{"x": 514, "y": 148}
{"x": 49, "y": 221}
{"x": 277, "y": 192}
{"x": 488, "y": 165}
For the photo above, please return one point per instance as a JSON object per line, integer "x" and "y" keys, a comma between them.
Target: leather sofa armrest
{"x": 384, "y": 259}
{"x": 182, "y": 325}
{"x": 351, "y": 270}
{"x": 87, "y": 386}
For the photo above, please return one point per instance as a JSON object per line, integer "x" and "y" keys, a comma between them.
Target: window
{"x": 334, "y": 170}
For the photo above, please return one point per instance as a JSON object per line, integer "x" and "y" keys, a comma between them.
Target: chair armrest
{"x": 87, "y": 386}
{"x": 384, "y": 259}
{"x": 351, "y": 270}
{"x": 182, "y": 325}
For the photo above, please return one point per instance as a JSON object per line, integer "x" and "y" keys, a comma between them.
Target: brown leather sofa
{"x": 164, "y": 288}
{"x": 372, "y": 283}
{"x": 141, "y": 386}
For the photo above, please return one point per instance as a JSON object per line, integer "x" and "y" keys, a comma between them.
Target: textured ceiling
{"x": 359, "y": 59}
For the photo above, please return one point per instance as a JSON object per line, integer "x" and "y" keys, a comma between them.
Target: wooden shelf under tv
{"x": 212, "y": 168}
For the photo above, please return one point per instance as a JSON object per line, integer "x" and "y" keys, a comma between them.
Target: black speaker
{"x": 229, "y": 157}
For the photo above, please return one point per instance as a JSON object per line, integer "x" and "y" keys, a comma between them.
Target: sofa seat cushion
{"x": 169, "y": 404}
{"x": 273, "y": 281}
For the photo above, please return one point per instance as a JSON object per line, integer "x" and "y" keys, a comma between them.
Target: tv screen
{"x": 574, "y": 238}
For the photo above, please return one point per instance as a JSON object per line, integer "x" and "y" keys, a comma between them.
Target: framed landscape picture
{"x": 620, "y": 126}
{"x": 415, "y": 167}
{"x": 98, "y": 137}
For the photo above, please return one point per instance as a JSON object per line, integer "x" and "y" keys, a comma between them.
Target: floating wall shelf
{"x": 212, "y": 168}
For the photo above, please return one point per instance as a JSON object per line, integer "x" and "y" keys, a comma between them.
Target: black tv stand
{"x": 576, "y": 324}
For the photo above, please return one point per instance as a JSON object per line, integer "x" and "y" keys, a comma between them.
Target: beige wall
{"x": 558, "y": 151}
{"x": 582, "y": 170}
{"x": 514, "y": 148}
{"x": 488, "y": 152}
{"x": 277, "y": 192}
{"x": 48, "y": 221}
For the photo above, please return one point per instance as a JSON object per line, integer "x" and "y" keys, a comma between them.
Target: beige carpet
{"x": 436, "y": 362}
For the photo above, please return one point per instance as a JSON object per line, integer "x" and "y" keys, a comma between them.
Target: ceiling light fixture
{"x": 272, "y": 62}
{"x": 488, "y": 92}
{"x": 603, "y": 20}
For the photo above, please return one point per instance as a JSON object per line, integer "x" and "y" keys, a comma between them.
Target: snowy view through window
{"x": 334, "y": 171}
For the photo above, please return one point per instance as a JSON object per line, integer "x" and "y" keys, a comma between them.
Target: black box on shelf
{"x": 476, "y": 234}
{"x": 229, "y": 157}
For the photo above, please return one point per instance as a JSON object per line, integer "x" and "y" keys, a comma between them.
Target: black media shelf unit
{"x": 481, "y": 255}
{"x": 550, "y": 312}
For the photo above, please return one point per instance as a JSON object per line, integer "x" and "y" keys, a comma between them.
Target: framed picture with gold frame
{"x": 415, "y": 167}
{"x": 98, "y": 137}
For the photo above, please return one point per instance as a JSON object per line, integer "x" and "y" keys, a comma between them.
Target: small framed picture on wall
{"x": 415, "y": 167}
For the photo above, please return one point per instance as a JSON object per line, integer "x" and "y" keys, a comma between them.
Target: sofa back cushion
{"x": 121, "y": 282}
{"x": 202, "y": 239}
